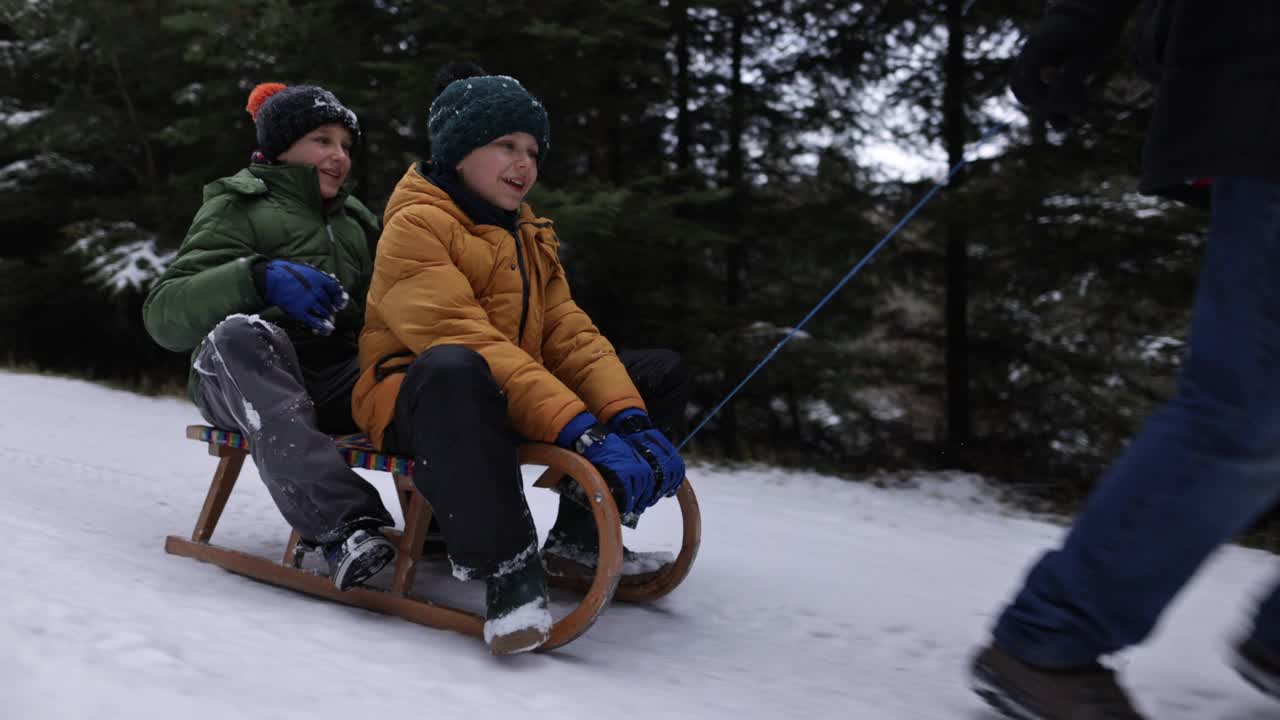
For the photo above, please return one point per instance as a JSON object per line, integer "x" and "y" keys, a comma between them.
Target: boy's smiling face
{"x": 328, "y": 149}
{"x": 504, "y": 171}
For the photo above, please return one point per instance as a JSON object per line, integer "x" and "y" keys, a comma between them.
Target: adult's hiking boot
{"x": 516, "y": 617}
{"x": 1024, "y": 692}
{"x": 357, "y": 558}
{"x": 1258, "y": 666}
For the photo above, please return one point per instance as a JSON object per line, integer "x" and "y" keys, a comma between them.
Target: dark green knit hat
{"x": 473, "y": 109}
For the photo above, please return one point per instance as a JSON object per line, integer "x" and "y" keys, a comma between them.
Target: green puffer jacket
{"x": 273, "y": 212}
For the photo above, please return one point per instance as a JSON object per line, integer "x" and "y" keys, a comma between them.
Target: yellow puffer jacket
{"x": 440, "y": 280}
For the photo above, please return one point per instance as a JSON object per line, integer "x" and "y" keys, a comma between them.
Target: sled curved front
{"x": 231, "y": 448}
{"x": 601, "y": 590}
{"x": 691, "y": 537}
{"x": 665, "y": 581}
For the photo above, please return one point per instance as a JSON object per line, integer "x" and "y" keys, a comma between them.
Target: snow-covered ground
{"x": 811, "y": 598}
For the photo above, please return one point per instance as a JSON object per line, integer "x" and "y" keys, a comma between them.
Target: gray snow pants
{"x": 250, "y": 380}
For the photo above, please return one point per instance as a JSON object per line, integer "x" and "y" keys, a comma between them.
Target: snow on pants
{"x": 250, "y": 381}
{"x": 452, "y": 418}
{"x": 1204, "y": 467}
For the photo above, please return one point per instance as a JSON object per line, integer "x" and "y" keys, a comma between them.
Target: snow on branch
{"x": 22, "y": 171}
{"x": 20, "y": 118}
{"x": 1131, "y": 203}
{"x": 1159, "y": 349}
{"x": 768, "y": 330}
{"x": 118, "y": 255}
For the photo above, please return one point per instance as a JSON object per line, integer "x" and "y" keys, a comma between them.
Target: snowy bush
{"x": 118, "y": 255}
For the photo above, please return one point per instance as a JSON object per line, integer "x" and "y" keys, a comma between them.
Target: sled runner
{"x": 231, "y": 449}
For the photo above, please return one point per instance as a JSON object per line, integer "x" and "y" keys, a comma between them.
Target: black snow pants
{"x": 452, "y": 418}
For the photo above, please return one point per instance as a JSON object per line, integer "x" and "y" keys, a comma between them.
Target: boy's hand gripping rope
{"x": 937, "y": 187}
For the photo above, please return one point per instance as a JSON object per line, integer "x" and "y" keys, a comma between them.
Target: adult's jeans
{"x": 1203, "y": 468}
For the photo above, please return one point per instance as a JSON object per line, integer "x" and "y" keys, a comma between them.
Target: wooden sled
{"x": 231, "y": 449}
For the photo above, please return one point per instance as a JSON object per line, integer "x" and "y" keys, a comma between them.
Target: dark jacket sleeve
{"x": 207, "y": 281}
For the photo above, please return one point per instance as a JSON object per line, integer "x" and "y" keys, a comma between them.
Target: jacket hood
{"x": 297, "y": 182}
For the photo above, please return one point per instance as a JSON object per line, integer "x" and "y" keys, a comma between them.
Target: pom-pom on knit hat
{"x": 471, "y": 109}
{"x": 283, "y": 114}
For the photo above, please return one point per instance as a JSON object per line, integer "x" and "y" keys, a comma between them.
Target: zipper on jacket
{"x": 524, "y": 285}
{"x": 337, "y": 263}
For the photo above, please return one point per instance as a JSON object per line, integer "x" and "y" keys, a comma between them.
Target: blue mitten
{"x": 617, "y": 460}
{"x": 637, "y": 429}
{"x": 303, "y": 292}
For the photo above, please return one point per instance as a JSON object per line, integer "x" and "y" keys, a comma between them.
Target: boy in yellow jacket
{"x": 473, "y": 343}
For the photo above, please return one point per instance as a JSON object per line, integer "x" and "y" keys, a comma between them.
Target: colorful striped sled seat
{"x": 355, "y": 449}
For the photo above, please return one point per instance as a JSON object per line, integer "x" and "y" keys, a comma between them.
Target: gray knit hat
{"x": 474, "y": 109}
{"x": 282, "y": 114}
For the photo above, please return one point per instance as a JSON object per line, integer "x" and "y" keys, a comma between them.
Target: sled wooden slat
{"x": 411, "y": 542}
{"x": 224, "y": 480}
{"x": 231, "y": 448}
{"x": 416, "y": 611}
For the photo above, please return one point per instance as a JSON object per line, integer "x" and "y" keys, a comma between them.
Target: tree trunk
{"x": 955, "y": 126}
{"x": 614, "y": 123}
{"x": 736, "y": 249}
{"x": 684, "y": 124}
{"x": 681, "y": 257}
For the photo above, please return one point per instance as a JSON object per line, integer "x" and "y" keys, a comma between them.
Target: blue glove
{"x": 303, "y": 292}
{"x": 619, "y": 462}
{"x": 637, "y": 429}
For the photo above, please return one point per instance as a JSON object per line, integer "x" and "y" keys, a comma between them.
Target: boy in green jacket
{"x": 268, "y": 289}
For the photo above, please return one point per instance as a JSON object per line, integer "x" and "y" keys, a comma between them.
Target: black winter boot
{"x": 516, "y": 617}
{"x": 572, "y": 549}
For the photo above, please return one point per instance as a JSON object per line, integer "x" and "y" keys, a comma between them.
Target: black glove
{"x": 1065, "y": 49}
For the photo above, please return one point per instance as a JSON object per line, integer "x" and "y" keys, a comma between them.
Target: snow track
{"x": 811, "y": 598}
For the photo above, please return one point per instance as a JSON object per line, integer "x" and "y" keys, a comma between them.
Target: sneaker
{"x": 1023, "y": 692}
{"x": 516, "y": 617}
{"x": 358, "y": 558}
{"x": 1258, "y": 666}
{"x": 575, "y": 559}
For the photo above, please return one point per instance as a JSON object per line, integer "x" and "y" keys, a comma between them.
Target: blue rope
{"x": 937, "y": 187}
